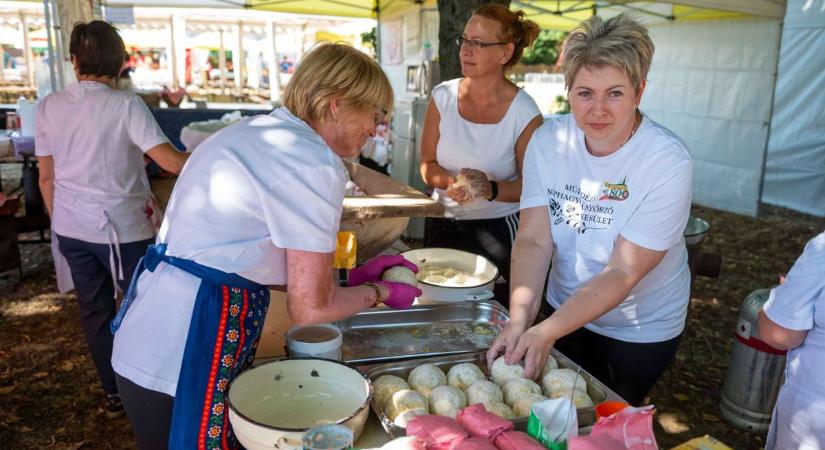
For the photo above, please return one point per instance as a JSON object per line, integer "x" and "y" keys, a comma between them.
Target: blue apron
{"x": 226, "y": 324}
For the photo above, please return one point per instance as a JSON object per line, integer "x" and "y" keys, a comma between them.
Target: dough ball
{"x": 462, "y": 181}
{"x": 451, "y": 413}
{"x": 500, "y": 409}
{"x": 426, "y": 377}
{"x": 522, "y": 404}
{"x": 517, "y": 387}
{"x": 464, "y": 375}
{"x": 551, "y": 364}
{"x": 400, "y": 274}
{"x": 408, "y": 415}
{"x": 562, "y": 380}
{"x": 580, "y": 399}
{"x": 405, "y": 400}
{"x": 501, "y": 371}
{"x": 446, "y": 398}
{"x": 386, "y": 385}
{"x": 484, "y": 391}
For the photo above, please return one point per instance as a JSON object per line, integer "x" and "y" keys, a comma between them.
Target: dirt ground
{"x": 49, "y": 394}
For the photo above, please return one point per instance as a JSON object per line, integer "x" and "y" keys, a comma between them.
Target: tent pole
{"x": 27, "y": 49}
{"x": 378, "y": 31}
{"x": 272, "y": 63}
{"x": 222, "y": 60}
{"x": 240, "y": 66}
{"x": 763, "y": 169}
{"x": 50, "y": 45}
{"x": 59, "y": 46}
{"x": 173, "y": 54}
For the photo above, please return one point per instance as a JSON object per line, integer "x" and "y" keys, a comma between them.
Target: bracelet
{"x": 494, "y": 190}
{"x": 378, "y": 300}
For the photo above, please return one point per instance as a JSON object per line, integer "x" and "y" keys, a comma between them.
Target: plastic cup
{"x": 328, "y": 437}
{"x": 327, "y": 349}
{"x": 606, "y": 409}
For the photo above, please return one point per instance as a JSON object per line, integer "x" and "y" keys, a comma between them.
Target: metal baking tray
{"x": 383, "y": 335}
{"x": 586, "y": 416}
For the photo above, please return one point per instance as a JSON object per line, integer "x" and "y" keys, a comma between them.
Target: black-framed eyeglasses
{"x": 474, "y": 44}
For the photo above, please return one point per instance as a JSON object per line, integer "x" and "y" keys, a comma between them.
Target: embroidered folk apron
{"x": 226, "y": 325}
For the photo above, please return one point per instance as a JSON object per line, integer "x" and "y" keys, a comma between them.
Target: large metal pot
{"x": 478, "y": 265}
{"x": 272, "y": 405}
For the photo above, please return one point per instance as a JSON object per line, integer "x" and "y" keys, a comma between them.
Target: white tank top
{"x": 489, "y": 148}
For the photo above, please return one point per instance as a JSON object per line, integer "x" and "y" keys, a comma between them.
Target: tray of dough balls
{"x": 446, "y": 384}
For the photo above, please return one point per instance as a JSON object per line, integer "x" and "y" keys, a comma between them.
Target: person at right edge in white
{"x": 793, "y": 319}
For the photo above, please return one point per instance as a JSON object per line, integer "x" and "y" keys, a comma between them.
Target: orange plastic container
{"x": 606, "y": 409}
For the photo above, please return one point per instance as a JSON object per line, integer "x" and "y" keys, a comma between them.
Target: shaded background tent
{"x": 740, "y": 80}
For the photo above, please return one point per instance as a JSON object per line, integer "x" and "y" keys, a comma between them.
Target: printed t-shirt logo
{"x": 615, "y": 191}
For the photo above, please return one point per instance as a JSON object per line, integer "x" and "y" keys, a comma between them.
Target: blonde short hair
{"x": 620, "y": 42}
{"x": 336, "y": 70}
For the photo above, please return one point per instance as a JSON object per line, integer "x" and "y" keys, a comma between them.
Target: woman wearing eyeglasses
{"x": 475, "y": 134}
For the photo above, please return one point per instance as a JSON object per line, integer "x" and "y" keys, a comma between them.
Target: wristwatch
{"x": 493, "y": 190}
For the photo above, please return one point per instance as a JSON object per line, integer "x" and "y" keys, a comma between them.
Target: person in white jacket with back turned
{"x": 90, "y": 142}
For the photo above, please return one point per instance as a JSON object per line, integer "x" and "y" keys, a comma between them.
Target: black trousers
{"x": 491, "y": 238}
{"x": 630, "y": 369}
{"x": 89, "y": 264}
{"x": 149, "y": 412}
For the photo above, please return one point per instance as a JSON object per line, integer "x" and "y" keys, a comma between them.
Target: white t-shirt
{"x": 489, "y": 148}
{"x": 799, "y": 304}
{"x": 246, "y": 194}
{"x": 97, "y": 137}
{"x": 641, "y": 192}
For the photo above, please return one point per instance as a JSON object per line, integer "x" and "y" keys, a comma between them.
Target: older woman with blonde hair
{"x": 475, "y": 133}
{"x": 606, "y": 196}
{"x": 258, "y": 204}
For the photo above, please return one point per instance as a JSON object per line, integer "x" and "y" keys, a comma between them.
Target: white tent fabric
{"x": 795, "y": 169}
{"x": 711, "y": 83}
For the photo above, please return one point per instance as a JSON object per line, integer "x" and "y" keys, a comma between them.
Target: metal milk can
{"x": 755, "y": 371}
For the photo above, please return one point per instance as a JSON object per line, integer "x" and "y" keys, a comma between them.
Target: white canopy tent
{"x": 739, "y": 80}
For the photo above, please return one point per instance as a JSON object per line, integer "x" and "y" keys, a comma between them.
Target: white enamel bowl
{"x": 272, "y": 405}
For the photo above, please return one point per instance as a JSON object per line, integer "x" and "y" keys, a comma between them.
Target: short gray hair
{"x": 620, "y": 42}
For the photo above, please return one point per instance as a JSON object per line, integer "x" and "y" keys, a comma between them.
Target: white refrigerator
{"x": 405, "y": 154}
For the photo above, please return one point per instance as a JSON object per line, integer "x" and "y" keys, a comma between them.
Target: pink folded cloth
{"x": 473, "y": 443}
{"x": 516, "y": 440}
{"x": 438, "y": 432}
{"x": 480, "y": 423}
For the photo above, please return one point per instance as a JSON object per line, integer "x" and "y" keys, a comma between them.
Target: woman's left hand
{"x": 533, "y": 346}
{"x": 375, "y": 267}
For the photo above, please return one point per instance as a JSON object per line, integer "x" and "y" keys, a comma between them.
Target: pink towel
{"x": 473, "y": 443}
{"x": 438, "y": 432}
{"x": 480, "y": 423}
{"x": 516, "y": 440}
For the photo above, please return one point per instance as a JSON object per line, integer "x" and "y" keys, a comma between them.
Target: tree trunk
{"x": 453, "y": 15}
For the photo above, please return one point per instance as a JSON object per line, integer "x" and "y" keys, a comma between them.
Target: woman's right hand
{"x": 505, "y": 342}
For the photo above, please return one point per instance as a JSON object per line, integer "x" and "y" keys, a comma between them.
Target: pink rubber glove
{"x": 401, "y": 295}
{"x": 374, "y": 268}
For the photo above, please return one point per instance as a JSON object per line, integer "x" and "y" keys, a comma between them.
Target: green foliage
{"x": 368, "y": 39}
{"x": 560, "y": 105}
{"x": 545, "y": 49}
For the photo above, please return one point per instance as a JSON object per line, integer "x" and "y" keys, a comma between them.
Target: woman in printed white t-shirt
{"x": 606, "y": 198}
{"x": 478, "y": 126}
{"x": 90, "y": 143}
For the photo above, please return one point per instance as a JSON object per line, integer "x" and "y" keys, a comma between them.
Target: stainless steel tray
{"x": 382, "y": 335}
{"x": 586, "y": 416}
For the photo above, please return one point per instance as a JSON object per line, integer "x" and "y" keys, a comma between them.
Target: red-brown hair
{"x": 514, "y": 28}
